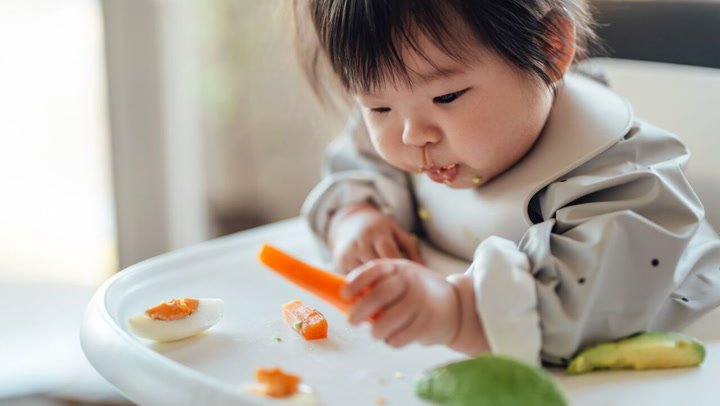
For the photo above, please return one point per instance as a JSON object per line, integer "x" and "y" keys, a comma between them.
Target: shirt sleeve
{"x": 505, "y": 299}
{"x": 620, "y": 246}
{"x": 353, "y": 172}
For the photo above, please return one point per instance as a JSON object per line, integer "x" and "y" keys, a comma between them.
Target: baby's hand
{"x": 404, "y": 301}
{"x": 360, "y": 233}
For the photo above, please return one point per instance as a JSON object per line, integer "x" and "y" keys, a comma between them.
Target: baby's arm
{"x": 621, "y": 248}
{"x": 363, "y": 206}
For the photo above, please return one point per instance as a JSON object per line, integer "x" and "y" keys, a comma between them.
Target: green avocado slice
{"x": 650, "y": 350}
{"x": 489, "y": 380}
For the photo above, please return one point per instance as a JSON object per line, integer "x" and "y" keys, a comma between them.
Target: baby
{"x": 470, "y": 129}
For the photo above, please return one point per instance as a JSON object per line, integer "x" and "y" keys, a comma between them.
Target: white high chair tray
{"x": 348, "y": 368}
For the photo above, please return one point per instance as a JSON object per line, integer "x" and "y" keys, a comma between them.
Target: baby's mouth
{"x": 442, "y": 174}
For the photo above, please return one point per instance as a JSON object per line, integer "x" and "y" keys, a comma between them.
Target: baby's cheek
{"x": 397, "y": 160}
{"x": 386, "y": 150}
{"x": 391, "y": 149}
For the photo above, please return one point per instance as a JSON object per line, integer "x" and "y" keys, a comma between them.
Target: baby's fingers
{"x": 387, "y": 248}
{"x": 409, "y": 244}
{"x": 414, "y": 331}
{"x": 395, "y": 317}
{"x": 364, "y": 276}
{"x": 348, "y": 263}
{"x": 385, "y": 292}
{"x": 366, "y": 251}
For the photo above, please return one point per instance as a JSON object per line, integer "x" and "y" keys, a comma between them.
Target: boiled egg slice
{"x": 177, "y": 319}
{"x": 278, "y": 384}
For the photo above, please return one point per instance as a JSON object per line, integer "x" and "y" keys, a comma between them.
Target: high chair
{"x": 214, "y": 368}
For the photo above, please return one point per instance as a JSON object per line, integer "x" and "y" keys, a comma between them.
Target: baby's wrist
{"x": 354, "y": 207}
{"x": 455, "y": 317}
{"x": 469, "y": 338}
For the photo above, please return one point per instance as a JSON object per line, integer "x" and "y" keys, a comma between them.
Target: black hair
{"x": 361, "y": 40}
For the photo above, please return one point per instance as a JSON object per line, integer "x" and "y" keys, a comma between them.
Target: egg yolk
{"x": 174, "y": 309}
{"x": 278, "y": 383}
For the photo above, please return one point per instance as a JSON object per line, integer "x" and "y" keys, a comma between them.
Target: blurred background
{"x": 129, "y": 128}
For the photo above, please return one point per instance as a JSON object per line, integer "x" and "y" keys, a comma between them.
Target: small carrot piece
{"x": 310, "y": 323}
{"x": 277, "y": 382}
{"x": 322, "y": 283}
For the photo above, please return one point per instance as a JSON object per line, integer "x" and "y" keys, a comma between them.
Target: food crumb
{"x": 398, "y": 375}
{"x": 424, "y": 214}
{"x": 380, "y": 400}
{"x": 278, "y": 339}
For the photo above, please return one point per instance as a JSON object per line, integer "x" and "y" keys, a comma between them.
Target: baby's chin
{"x": 462, "y": 184}
{"x": 468, "y": 182}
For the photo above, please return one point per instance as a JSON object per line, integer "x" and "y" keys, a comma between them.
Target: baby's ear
{"x": 559, "y": 43}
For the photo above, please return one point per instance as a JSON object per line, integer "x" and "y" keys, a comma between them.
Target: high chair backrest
{"x": 671, "y": 31}
{"x": 682, "y": 99}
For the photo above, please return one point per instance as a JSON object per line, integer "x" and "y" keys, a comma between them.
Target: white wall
{"x": 56, "y": 207}
{"x": 211, "y": 120}
{"x": 156, "y": 143}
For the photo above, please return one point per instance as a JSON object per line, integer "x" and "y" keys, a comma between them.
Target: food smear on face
{"x": 176, "y": 319}
{"x": 308, "y": 322}
{"x": 444, "y": 174}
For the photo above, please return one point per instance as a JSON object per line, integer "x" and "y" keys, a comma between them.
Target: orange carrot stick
{"x": 323, "y": 284}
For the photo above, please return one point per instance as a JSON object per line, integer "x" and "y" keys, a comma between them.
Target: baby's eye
{"x": 380, "y": 110}
{"x": 448, "y": 98}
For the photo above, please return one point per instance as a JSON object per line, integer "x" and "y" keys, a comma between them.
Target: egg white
{"x": 208, "y": 313}
{"x": 306, "y": 395}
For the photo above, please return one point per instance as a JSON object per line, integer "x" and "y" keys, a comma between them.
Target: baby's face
{"x": 462, "y": 129}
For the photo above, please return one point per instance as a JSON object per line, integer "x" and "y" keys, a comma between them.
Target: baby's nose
{"x": 420, "y": 134}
